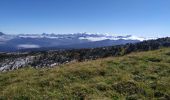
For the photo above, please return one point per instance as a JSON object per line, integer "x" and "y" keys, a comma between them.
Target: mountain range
{"x": 44, "y": 41}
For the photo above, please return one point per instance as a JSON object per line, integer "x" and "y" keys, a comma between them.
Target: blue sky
{"x": 136, "y": 17}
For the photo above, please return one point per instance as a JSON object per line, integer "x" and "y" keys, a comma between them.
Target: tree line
{"x": 64, "y": 56}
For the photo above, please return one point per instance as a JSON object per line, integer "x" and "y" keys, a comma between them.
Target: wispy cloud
{"x": 28, "y": 46}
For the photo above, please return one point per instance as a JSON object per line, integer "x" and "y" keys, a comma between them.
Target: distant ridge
{"x": 1, "y": 34}
{"x": 10, "y": 43}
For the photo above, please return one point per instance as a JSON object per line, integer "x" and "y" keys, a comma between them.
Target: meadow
{"x": 138, "y": 75}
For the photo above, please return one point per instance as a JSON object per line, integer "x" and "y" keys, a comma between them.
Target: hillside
{"x": 51, "y": 58}
{"x": 139, "y": 75}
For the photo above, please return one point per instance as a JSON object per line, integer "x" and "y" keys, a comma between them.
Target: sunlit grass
{"x": 142, "y": 75}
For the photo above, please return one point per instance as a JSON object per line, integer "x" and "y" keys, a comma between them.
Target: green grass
{"x": 142, "y": 75}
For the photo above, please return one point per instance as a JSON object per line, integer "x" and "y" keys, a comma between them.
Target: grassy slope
{"x": 144, "y": 75}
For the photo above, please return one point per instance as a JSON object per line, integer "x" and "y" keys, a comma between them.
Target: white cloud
{"x": 27, "y": 46}
{"x": 93, "y": 38}
{"x": 114, "y": 38}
